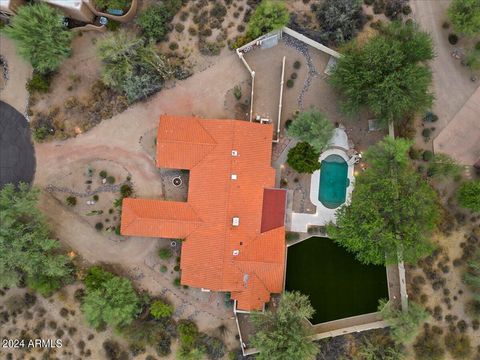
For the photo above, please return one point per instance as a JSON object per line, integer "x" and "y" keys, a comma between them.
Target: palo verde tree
{"x": 281, "y": 333}
{"x": 404, "y": 325}
{"x": 40, "y": 36}
{"x": 132, "y": 65}
{"x": 26, "y": 249}
{"x": 303, "y": 158}
{"x": 312, "y": 127}
{"x": 465, "y": 16}
{"x": 387, "y": 74}
{"x": 393, "y": 210}
{"x": 109, "y": 299}
{"x": 469, "y": 195}
{"x": 268, "y": 16}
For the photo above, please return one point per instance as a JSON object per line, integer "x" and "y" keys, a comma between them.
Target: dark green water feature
{"x": 338, "y": 285}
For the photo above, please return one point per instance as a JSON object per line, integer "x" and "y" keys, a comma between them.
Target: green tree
{"x": 303, "y": 158}
{"x": 190, "y": 348}
{"x": 404, "y": 325}
{"x": 281, "y": 334}
{"x": 160, "y": 309}
{"x": 109, "y": 300}
{"x": 312, "y": 127}
{"x": 376, "y": 351}
{"x": 469, "y": 195}
{"x": 465, "y": 16}
{"x": 387, "y": 74}
{"x": 40, "y": 35}
{"x": 155, "y": 19}
{"x": 268, "y": 16}
{"x": 340, "y": 20}
{"x": 393, "y": 210}
{"x": 26, "y": 249}
{"x": 132, "y": 66}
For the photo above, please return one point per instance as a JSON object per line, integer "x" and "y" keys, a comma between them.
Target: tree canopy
{"x": 404, "y": 325}
{"x": 109, "y": 299}
{"x": 26, "y": 248}
{"x": 160, "y": 309}
{"x": 40, "y": 35}
{"x": 132, "y": 66}
{"x": 387, "y": 74}
{"x": 393, "y": 210}
{"x": 268, "y": 16}
{"x": 281, "y": 334}
{"x": 469, "y": 195}
{"x": 465, "y": 16}
{"x": 303, "y": 158}
{"x": 155, "y": 19}
{"x": 312, "y": 127}
{"x": 340, "y": 20}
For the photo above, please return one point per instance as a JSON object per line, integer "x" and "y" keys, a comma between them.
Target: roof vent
{"x": 234, "y": 153}
{"x": 234, "y": 176}
{"x": 236, "y": 252}
{"x": 235, "y": 221}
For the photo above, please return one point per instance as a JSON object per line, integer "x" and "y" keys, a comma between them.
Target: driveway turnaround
{"x": 17, "y": 157}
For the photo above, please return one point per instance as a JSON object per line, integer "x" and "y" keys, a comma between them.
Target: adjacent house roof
{"x": 461, "y": 138}
{"x": 233, "y": 222}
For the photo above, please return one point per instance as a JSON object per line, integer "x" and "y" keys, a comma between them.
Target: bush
{"x": 103, "y": 174}
{"x": 110, "y": 179}
{"x": 458, "y": 345}
{"x": 426, "y": 133}
{"x": 290, "y": 83}
{"x": 112, "y": 4}
{"x": 179, "y": 27}
{"x": 99, "y": 226}
{"x": 126, "y": 190}
{"x": 428, "y": 347}
{"x": 173, "y": 46}
{"x": 95, "y": 197}
{"x": 297, "y": 65}
{"x": 379, "y": 7}
{"x": 430, "y": 117}
{"x": 237, "y": 92}
{"x": 452, "y": 39}
{"x": 268, "y": 16}
{"x": 155, "y": 19}
{"x": 39, "y": 82}
{"x": 165, "y": 253}
{"x": 176, "y": 282}
{"x": 291, "y": 236}
{"x": 406, "y": 10}
{"x": 71, "y": 200}
{"x": 469, "y": 195}
{"x": 40, "y": 36}
{"x": 293, "y": 76}
{"x": 163, "y": 268}
{"x": 160, "y": 309}
{"x": 427, "y": 155}
{"x": 303, "y": 158}
{"x": 465, "y": 16}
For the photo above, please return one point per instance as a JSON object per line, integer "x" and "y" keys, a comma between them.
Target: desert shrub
{"x": 71, "y": 200}
{"x": 293, "y": 76}
{"x": 458, "y": 345}
{"x": 443, "y": 166}
{"x": 173, "y": 46}
{"x": 214, "y": 348}
{"x": 288, "y": 123}
{"x": 237, "y": 92}
{"x": 240, "y": 28}
{"x": 430, "y": 117}
{"x": 137, "y": 75}
{"x": 297, "y": 65}
{"x": 469, "y": 195}
{"x": 313, "y": 127}
{"x": 414, "y": 153}
{"x": 39, "y": 82}
{"x": 95, "y": 197}
{"x": 179, "y": 27}
{"x": 427, "y": 155}
{"x": 160, "y": 309}
{"x": 426, "y": 133}
{"x": 126, "y": 190}
{"x": 452, "y": 39}
{"x": 268, "y": 16}
{"x": 303, "y": 158}
{"x": 163, "y": 268}
{"x": 165, "y": 253}
{"x": 379, "y": 6}
{"x": 472, "y": 59}
{"x": 393, "y": 9}
{"x": 210, "y": 48}
{"x": 465, "y": 16}
{"x": 428, "y": 347}
{"x": 40, "y": 36}
{"x": 218, "y": 11}
{"x": 192, "y": 31}
{"x": 340, "y": 20}
{"x": 155, "y": 19}
{"x": 176, "y": 282}
{"x": 406, "y": 10}
{"x": 110, "y": 180}
{"x": 290, "y": 83}
{"x": 291, "y": 236}
{"x": 99, "y": 226}
{"x": 103, "y": 174}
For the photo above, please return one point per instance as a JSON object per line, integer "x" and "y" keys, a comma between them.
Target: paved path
{"x": 17, "y": 157}
{"x": 451, "y": 80}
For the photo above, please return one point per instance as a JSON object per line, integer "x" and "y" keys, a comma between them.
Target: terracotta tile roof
{"x": 217, "y": 255}
{"x": 273, "y": 210}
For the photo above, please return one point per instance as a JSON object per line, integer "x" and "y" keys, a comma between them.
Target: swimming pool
{"x": 333, "y": 181}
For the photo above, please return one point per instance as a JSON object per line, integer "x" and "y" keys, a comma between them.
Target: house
{"x": 232, "y": 225}
{"x": 461, "y": 138}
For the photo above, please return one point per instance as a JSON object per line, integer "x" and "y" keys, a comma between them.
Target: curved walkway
{"x": 17, "y": 157}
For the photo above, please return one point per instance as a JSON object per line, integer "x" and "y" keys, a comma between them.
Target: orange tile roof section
{"x": 206, "y": 148}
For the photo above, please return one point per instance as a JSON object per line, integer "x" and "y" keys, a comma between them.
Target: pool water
{"x": 333, "y": 181}
{"x": 338, "y": 285}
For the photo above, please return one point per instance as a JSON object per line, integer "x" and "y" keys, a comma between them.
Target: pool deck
{"x": 323, "y": 215}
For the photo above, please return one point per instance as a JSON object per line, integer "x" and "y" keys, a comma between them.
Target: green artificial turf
{"x": 338, "y": 285}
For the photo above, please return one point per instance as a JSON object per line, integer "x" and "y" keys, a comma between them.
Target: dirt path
{"x": 14, "y": 93}
{"x": 451, "y": 80}
{"x": 119, "y": 139}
